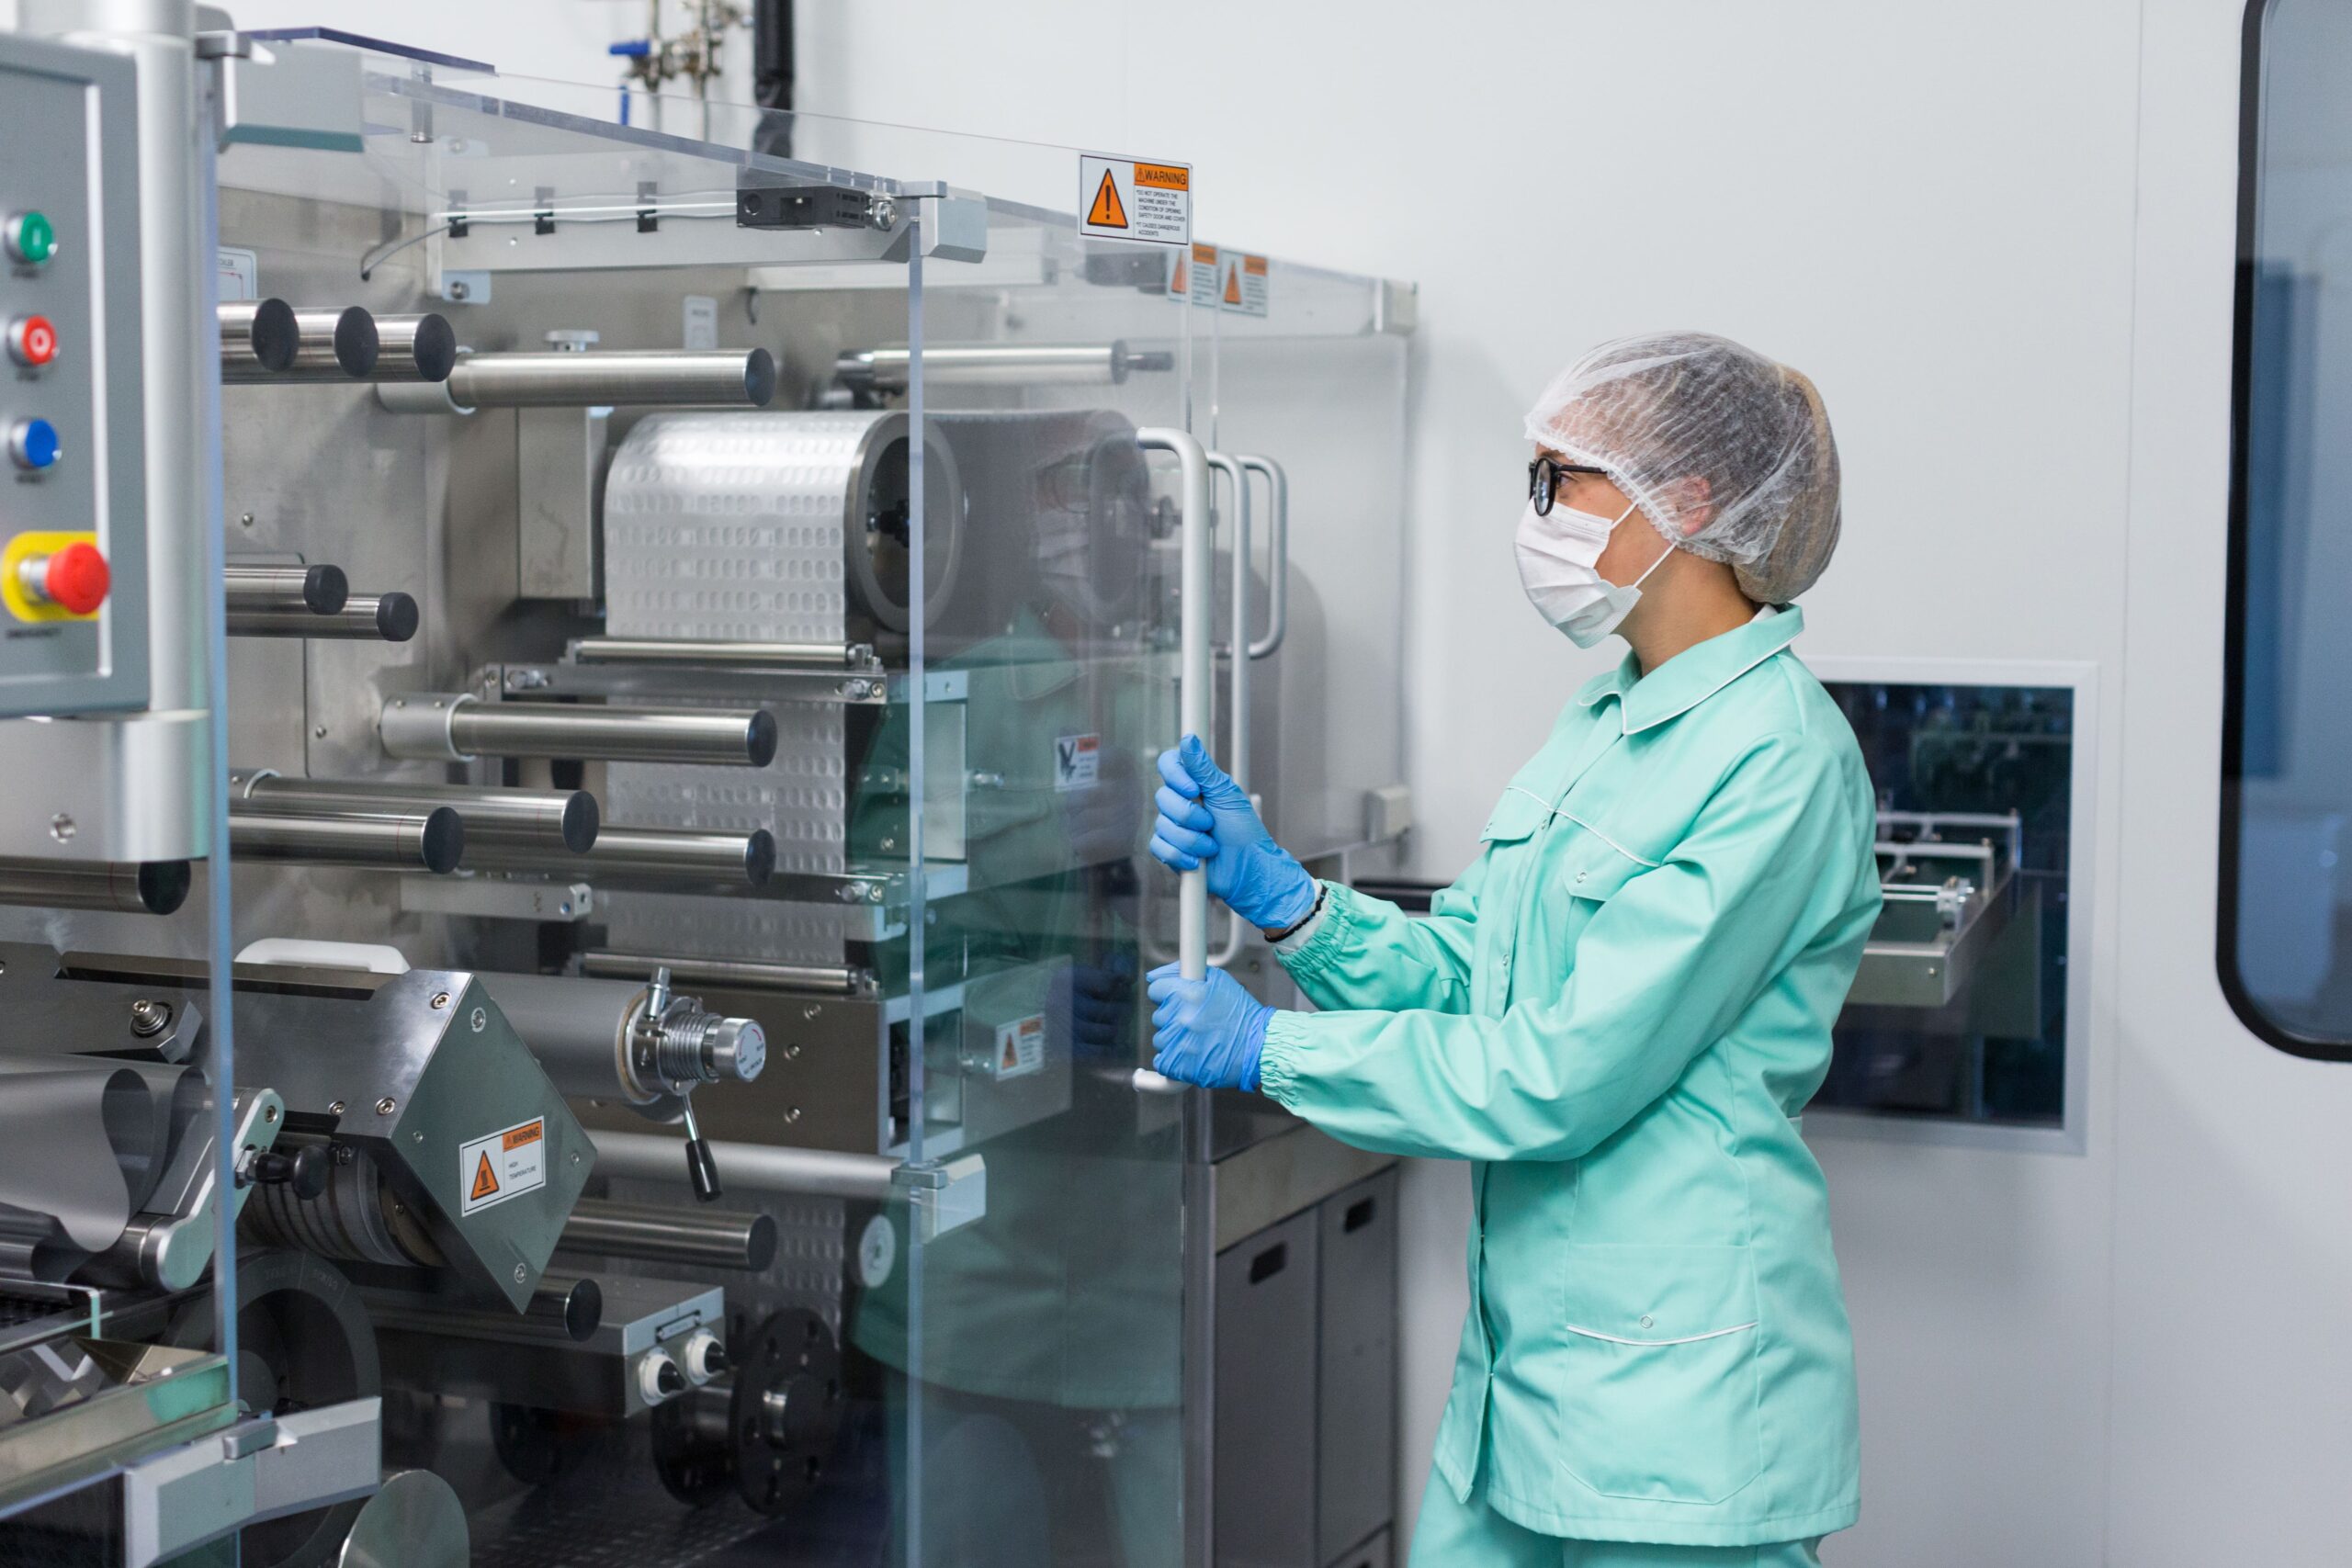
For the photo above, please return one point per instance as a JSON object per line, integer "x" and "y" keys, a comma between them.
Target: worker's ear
{"x": 1693, "y": 501}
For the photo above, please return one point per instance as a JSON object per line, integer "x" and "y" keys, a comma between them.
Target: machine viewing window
{"x": 2284, "y": 946}
{"x": 1958, "y": 1013}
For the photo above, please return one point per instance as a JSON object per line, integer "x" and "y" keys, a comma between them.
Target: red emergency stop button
{"x": 75, "y": 579}
{"x": 32, "y": 341}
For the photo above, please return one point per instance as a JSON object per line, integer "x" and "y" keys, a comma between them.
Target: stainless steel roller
{"x": 362, "y": 617}
{"x": 415, "y": 348}
{"x": 456, "y": 726}
{"x": 559, "y": 821}
{"x": 649, "y": 854}
{"x": 257, "y": 335}
{"x": 711, "y": 377}
{"x": 298, "y": 590}
{"x": 148, "y": 888}
{"x": 735, "y": 655}
{"x": 999, "y": 365}
{"x": 331, "y": 343}
{"x": 620, "y": 1038}
{"x": 661, "y": 1233}
{"x": 434, "y": 841}
{"x": 758, "y": 1168}
{"x": 743, "y": 973}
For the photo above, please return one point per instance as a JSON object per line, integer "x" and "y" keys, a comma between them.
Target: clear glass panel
{"x": 2286, "y": 790}
{"x": 1958, "y": 1013}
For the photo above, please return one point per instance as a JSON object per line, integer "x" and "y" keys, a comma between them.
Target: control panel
{"x": 72, "y": 450}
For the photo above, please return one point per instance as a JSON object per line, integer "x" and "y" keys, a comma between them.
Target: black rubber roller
{"x": 356, "y": 342}
{"x": 445, "y": 839}
{"x": 396, "y": 617}
{"x": 325, "y": 589}
{"x": 275, "y": 334}
{"x": 760, "y": 738}
{"x": 758, "y": 377}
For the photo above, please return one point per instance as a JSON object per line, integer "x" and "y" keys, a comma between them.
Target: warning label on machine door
{"x": 1078, "y": 761}
{"x": 506, "y": 1164}
{"x": 1020, "y": 1047}
{"x": 1243, "y": 292}
{"x": 1127, "y": 198}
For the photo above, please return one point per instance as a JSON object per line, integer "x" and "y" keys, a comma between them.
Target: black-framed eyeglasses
{"x": 1543, "y": 477}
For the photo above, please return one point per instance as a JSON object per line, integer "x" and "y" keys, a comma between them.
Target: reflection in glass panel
{"x": 1959, "y": 1009}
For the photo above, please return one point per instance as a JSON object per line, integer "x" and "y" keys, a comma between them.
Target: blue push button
{"x": 33, "y": 443}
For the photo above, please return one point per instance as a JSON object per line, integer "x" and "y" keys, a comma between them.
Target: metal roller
{"x": 456, "y": 726}
{"x": 566, "y": 1308}
{"x": 598, "y": 1039}
{"x": 757, "y": 1168}
{"x": 331, "y": 343}
{"x": 415, "y": 348}
{"x": 656, "y": 854}
{"x": 434, "y": 841}
{"x": 146, "y": 887}
{"x": 557, "y": 820}
{"x": 999, "y": 365}
{"x": 743, "y": 973}
{"x": 709, "y": 378}
{"x": 660, "y": 1232}
{"x": 363, "y": 618}
{"x": 727, "y": 654}
{"x": 304, "y": 590}
{"x": 257, "y": 335}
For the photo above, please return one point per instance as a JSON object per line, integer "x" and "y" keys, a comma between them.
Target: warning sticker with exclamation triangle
{"x": 1244, "y": 293}
{"x": 502, "y": 1165}
{"x": 1129, "y": 198}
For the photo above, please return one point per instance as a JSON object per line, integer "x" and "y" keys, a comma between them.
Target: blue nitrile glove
{"x": 1205, "y": 1031}
{"x": 1205, "y": 819}
{"x": 1096, "y": 1005}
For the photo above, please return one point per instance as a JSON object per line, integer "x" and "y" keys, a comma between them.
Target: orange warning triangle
{"x": 1011, "y": 1055}
{"x": 1233, "y": 285}
{"x": 485, "y": 1181}
{"x": 1183, "y": 267}
{"x": 1107, "y": 212}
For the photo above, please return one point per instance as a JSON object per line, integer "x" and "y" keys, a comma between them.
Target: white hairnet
{"x": 1728, "y": 453}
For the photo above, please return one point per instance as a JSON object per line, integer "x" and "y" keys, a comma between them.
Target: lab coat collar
{"x": 1696, "y": 673}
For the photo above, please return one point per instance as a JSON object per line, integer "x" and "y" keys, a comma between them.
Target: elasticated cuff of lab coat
{"x": 1326, "y": 935}
{"x": 1286, "y": 1037}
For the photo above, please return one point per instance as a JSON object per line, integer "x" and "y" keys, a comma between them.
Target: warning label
{"x": 1020, "y": 1047}
{"x": 1243, "y": 292}
{"x": 1078, "y": 761}
{"x": 506, "y": 1164}
{"x": 1126, "y": 199}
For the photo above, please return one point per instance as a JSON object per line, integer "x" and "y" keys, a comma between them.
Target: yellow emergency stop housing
{"x": 13, "y": 593}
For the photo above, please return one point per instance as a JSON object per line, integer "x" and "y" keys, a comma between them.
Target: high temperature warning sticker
{"x": 506, "y": 1164}
{"x": 1129, "y": 198}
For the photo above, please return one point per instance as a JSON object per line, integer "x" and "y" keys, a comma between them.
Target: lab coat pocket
{"x": 1659, "y": 1383}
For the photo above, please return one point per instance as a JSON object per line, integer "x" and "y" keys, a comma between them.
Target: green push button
{"x": 31, "y": 238}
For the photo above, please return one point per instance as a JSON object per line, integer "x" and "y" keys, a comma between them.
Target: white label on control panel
{"x": 1020, "y": 1047}
{"x": 507, "y": 1164}
{"x": 702, "y": 321}
{"x": 1078, "y": 761}
{"x": 240, "y": 275}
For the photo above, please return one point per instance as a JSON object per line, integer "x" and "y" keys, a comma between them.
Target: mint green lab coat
{"x": 1616, "y": 1015}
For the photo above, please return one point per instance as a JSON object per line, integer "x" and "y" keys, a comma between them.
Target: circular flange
{"x": 415, "y": 1520}
{"x": 786, "y": 1410}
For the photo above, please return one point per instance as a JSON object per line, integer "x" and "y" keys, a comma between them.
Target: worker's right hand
{"x": 1206, "y": 821}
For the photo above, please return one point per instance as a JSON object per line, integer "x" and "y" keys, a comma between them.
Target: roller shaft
{"x": 363, "y": 618}
{"x": 657, "y": 1233}
{"x": 991, "y": 365}
{"x": 331, "y": 343}
{"x": 557, "y": 820}
{"x": 739, "y": 654}
{"x": 415, "y": 348}
{"x": 434, "y": 841}
{"x": 829, "y": 980}
{"x": 257, "y": 336}
{"x": 595, "y": 1037}
{"x": 151, "y": 887}
{"x": 454, "y": 727}
{"x": 301, "y": 589}
{"x": 754, "y": 1168}
{"x": 726, "y": 860}
{"x": 727, "y": 377}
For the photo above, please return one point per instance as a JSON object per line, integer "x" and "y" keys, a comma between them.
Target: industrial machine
{"x": 578, "y": 708}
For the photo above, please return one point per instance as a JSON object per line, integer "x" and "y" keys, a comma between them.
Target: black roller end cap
{"x": 444, "y": 839}
{"x": 325, "y": 590}
{"x": 759, "y": 1250}
{"x": 758, "y": 377}
{"x": 759, "y": 857}
{"x": 312, "y": 1167}
{"x": 581, "y": 818}
{"x": 396, "y": 617}
{"x": 759, "y": 739}
{"x": 162, "y": 884}
{"x": 584, "y": 1309}
{"x": 436, "y": 348}
{"x": 356, "y": 342}
{"x": 276, "y": 337}
{"x": 702, "y": 1171}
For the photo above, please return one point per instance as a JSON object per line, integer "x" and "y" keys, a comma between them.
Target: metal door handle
{"x": 1277, "y": 554}
{"x": 1237, "y": 760}
{"x": 1195, "y": 666}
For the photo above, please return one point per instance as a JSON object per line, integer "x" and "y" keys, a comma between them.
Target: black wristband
{"x": 1303, "y": 921}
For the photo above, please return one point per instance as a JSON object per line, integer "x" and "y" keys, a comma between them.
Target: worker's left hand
{"x": 1205, "y": 1031}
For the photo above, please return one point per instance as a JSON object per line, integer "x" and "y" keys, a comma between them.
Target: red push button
{"x": 32, "y": 341}
{"x": 75, "y": 579}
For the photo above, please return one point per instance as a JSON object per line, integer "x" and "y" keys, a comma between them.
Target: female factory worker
{"x": 1618, "y": 1011}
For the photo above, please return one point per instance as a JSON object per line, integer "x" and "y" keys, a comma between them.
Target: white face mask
{"x": 1559, "y": 556}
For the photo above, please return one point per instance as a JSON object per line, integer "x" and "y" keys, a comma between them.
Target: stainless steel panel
{"x": 1355, "y": 1353}
{"x": 559, "y": 501}
{"x": 1265, "y": 1398}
